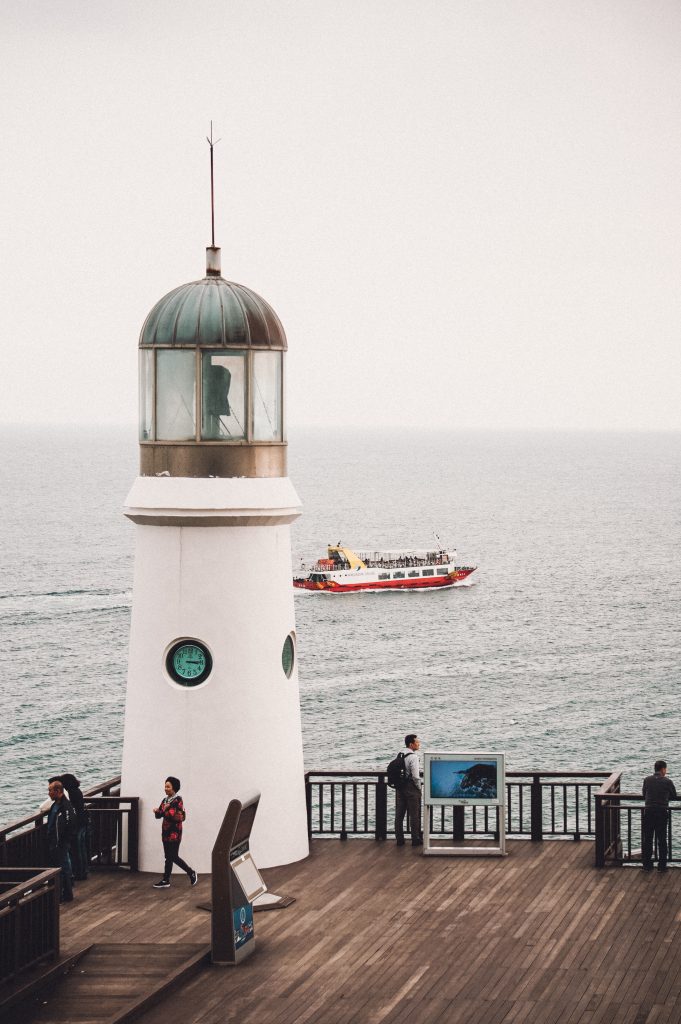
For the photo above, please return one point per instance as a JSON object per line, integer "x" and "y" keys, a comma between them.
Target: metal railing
{"x": 29, "y": 918}
{"x": 539, "y": 805}
{"x": 113, "y": 834}
{"x": 619, "y": 826}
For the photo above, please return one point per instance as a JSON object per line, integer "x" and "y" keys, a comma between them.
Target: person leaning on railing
{"x": 658, "y": 790}
{"x": 61, "y": 829}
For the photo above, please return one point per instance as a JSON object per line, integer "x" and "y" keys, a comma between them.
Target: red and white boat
{"x": 344, "y": 571}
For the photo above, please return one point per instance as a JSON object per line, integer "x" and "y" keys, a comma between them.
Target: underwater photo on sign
{"x": 464, "y": 780}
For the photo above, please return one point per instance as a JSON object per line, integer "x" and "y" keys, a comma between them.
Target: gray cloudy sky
{"x": 467, "y": 214}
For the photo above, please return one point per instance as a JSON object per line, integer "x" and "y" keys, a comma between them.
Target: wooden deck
{"x": 380, "y": 934}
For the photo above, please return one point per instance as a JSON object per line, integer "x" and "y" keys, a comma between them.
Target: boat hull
{"x": 331, "y": 586}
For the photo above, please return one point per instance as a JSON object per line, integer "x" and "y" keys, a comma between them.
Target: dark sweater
{"x": 658, "y": 790}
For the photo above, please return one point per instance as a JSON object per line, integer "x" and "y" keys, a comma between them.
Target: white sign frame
{"x": 431, "y": 799}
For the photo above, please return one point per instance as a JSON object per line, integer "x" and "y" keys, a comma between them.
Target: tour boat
{"x": 344, "y": 571}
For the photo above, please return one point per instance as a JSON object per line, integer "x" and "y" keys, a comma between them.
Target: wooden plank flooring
{"x": 380, "y": 935}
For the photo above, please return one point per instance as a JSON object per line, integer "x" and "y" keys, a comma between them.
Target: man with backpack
{"x": 407, "y": 783}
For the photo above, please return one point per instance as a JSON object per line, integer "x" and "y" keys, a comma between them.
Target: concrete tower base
{"x": 213, "y": 563}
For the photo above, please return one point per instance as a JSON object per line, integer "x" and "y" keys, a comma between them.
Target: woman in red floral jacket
{"x": 171, "y": 810}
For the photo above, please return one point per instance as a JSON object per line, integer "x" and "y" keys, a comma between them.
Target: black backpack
{"x": 397, "y": 772}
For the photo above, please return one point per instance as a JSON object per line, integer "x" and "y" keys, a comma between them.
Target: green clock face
{"x": 189, "y": 662}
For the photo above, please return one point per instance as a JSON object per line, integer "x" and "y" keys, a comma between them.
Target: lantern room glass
{"x": 267, "y": 411}
{"x": 175, "y": 395}
{"x": 146, "y": 380}
{"x": 223, "y": 396}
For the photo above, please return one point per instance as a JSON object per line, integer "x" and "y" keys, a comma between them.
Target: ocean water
{"x": 564, "y": 650}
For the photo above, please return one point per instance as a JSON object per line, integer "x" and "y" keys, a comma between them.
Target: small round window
{"x": 288, "y": 653}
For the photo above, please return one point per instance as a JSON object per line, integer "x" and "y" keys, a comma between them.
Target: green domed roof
{"x": 213, "y": 313}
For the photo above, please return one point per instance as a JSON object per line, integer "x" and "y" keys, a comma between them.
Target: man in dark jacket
{"x": 408, "y": 797}
{"x": 61, "y": 827}
{"x": 658, "y": 790}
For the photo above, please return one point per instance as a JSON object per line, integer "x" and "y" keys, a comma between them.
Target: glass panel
{"x": 146, "y": 382}
{"x": 223, "y": 398}
{"x": 175, "y": 405}
{"x": 267, "y": 396}
{"x": 287, "y": 656}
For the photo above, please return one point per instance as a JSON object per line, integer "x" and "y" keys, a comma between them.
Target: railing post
{"x": 134, "y": 833}
{"x": 343, "y": 831}
{"x": 600, "y": 831}
{"x": 308, "y": 804}
{"x": 536, "y": 810}
{"x": 458, "y": 823}
{"x": 381, "y": 808}
{"x": 56, "y": 921}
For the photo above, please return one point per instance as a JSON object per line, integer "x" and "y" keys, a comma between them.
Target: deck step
{"x": 112, "y": 983}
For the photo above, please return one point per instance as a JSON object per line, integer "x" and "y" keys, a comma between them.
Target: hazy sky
{"x": 467, "y": 214}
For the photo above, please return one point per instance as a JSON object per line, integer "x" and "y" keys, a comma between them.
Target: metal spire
{"x": 212, "y": 194}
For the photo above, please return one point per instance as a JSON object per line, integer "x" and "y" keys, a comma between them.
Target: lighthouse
{"x": 212, "y": 689}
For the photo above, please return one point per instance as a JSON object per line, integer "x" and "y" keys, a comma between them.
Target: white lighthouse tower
{"x": 212, "y": 694}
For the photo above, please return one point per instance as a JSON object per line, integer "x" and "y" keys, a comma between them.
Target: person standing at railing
{"x": 658, "y": 790}
{"x": 408, "y": 795}
{"x": 61, "y": 828}
{"x": 79, "y": 846}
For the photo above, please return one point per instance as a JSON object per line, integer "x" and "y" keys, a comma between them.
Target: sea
{"x": 563, "y": 649}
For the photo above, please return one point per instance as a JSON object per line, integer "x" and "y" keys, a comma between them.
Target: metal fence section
{"x": 113, "y": 834}
{"x": 539, "y": 805}
{"x": 29, "y": 918}
{"x": 619, "y": 826}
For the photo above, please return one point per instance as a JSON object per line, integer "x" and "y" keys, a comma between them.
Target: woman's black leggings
{"x": 172, "y": 852}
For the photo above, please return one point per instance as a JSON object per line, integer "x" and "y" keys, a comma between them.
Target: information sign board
{"x": 459, "y": 779}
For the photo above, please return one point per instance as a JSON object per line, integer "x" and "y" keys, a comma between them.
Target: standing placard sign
{"x": 236, "y": 883}
{"x": 463, "y": 779}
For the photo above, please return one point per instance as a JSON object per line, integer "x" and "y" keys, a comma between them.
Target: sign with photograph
{"x": 457, "y": 779}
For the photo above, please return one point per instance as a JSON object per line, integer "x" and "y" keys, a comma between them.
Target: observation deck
{"x": 381, "y": 935}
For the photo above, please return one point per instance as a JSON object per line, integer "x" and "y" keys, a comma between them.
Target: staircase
{"x": 107, "y": 984}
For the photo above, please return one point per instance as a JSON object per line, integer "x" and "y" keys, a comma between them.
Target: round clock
{"x": 189, "y": 662}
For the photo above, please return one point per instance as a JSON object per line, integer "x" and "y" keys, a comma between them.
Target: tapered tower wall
{"x": 213, "y": 563}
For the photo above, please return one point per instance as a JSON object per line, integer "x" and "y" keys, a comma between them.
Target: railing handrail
{"x": 632, "y": 796}
{"x": 608, "y": 787}
{"x": 36, "y": 819}
{"x": 26, "y": 885}
{"x": 39, "y": 816}
{"x": 375, "y": 772}
{"x": 99, "y": 790}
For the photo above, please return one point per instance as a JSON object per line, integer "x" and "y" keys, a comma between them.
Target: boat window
{"x": 384, "y": 575}
{"x": 398, "y": 575}
{"x": 413, "y": 573}
{"x": 428, "y": 572}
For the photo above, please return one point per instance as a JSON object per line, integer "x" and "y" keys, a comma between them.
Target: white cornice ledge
{"x": 189, "y": 501}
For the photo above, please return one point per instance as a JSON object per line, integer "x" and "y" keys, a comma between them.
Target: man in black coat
{"x": 61, "y": 829}
{"x": 658, "y": 790}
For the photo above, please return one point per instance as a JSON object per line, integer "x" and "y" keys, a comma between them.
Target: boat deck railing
{"x": 384, "y": 563}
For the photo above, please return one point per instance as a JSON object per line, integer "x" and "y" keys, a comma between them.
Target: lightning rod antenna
{"x": 210, "y": 142}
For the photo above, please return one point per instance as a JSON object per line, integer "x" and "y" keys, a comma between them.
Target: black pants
{"x": 59, "y": 858}
{"x": 172, "y": 852}
{"x": 655, "y": 820}
{"x": 408, "y": 799}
